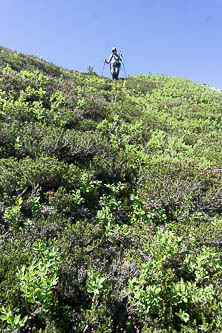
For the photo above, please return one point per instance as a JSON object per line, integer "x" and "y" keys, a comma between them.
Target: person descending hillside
{"x": 115, "y": 63}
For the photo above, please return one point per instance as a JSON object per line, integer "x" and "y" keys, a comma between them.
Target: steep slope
{"x": 110, "y": 201}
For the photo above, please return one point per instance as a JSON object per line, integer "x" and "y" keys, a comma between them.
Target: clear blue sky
{"x": 175, "y": 37}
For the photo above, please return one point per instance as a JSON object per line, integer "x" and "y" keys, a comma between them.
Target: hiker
{"x": 114, "y": 61}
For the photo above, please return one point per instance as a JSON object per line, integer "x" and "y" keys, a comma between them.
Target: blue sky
{"x": 175, "y": 37}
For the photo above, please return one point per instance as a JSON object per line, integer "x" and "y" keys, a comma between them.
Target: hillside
{"x": 110, "y": 201}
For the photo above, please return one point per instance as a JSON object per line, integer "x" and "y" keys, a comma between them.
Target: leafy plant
{"x": 96, "y": 284}
{"x": 39, "y": 278}
{"x": 13, "y": 321}
{"x": 12, "y": 214}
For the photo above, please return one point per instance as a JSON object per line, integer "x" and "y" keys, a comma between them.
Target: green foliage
{"x": 90, "y": 69}
{"x": 14, "y": 322}
{"x": 12, "y": 214}
{"x": 110, "y": 201}
{"x": 37, "y": 280}
{"x": 146, "y": 298}
{"x": 95, "y": 283}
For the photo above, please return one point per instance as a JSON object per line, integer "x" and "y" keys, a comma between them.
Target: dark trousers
{"x": 115, "y": 72}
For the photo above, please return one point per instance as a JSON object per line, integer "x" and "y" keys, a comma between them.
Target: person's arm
{"x": 121, "y": 56}
{"x": 110, "y": 58}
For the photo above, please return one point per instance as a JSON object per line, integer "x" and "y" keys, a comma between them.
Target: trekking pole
{"x": 124, "y": 68}
{"x": 103, "y": 67}
{"x": 123, "y": 65}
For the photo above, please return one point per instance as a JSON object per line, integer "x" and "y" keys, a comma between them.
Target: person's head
{"x": 114, "y": 50}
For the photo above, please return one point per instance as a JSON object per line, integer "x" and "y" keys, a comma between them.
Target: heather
{"x": 110, "y": 201}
